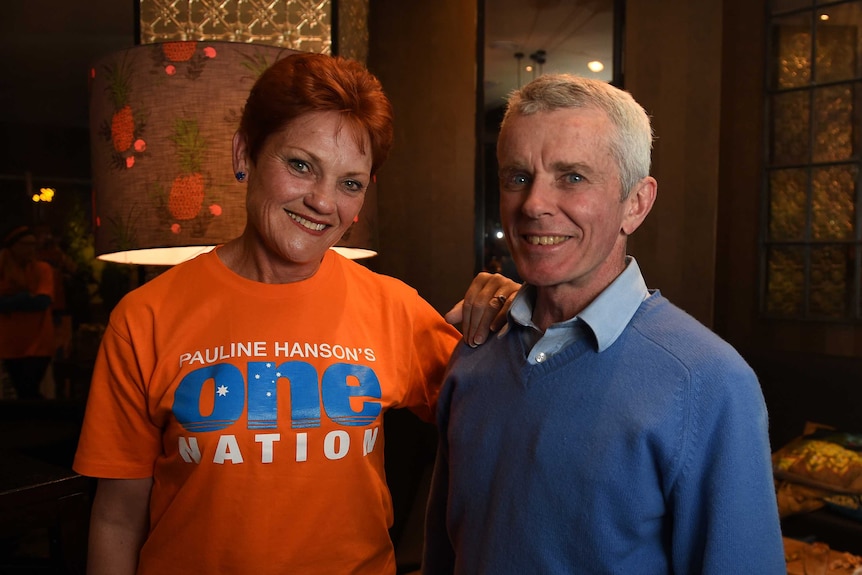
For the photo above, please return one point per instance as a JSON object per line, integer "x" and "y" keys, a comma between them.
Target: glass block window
{"x": 307, "y": 25}
{"x": 297, "y": 24}
{"x": 811, "y": 232}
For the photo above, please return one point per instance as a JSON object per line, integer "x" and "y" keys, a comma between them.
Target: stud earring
{"x": 240, "y": 176}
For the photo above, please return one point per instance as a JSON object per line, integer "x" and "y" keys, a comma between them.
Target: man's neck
{"x": 561, "y": 302}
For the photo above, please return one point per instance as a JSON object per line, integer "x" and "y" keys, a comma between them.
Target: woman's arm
{"x": 118, "y": 525}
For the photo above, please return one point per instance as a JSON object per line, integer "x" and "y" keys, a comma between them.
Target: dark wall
{"x": 673, "y": 68}
{"x": 423, "y": 51}
{"x": 34, "y": 156}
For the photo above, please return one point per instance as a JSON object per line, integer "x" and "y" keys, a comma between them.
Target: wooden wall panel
{"x": 673, "y": 68}
{"x": 740, "y": 179}
{"x": 424, "y": 51}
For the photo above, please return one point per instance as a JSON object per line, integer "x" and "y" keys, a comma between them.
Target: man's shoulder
{"x": 681, "y": 335}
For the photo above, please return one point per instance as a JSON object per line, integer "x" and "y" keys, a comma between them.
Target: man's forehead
{"x": 569, "y": 128}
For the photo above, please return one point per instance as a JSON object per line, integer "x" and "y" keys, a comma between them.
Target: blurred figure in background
{"x": 26, "y": 325}
{"x": 50, "y": 251}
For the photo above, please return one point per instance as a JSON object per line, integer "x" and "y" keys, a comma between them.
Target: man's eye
{"x": 574, "y": 178}
{"x": 518, "y": 180}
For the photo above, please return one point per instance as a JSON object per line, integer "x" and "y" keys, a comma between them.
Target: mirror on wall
{"x": 522, "y": 40}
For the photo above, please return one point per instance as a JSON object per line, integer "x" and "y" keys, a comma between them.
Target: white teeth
{"x": 305, "y": 223}
{"x": 545, "y": 240}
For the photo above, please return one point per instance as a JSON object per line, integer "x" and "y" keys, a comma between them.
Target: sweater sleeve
{"x": 723, "y": 502}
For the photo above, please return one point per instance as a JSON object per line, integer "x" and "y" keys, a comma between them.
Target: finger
{"x": 455, "y": 315}
{"x": 480, "y": 308}
{"x": 473, "y": 305}
{"x": 483, "y": 313}
{"x": 500, "y": 320}
{"x": 484, "y": 306}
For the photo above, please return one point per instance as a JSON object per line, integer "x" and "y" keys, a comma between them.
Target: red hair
{"x": 303, "y": 83}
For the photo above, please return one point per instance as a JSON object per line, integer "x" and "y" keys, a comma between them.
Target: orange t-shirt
{"x": 258, "y": 410}
{"x": 28, "y": 333}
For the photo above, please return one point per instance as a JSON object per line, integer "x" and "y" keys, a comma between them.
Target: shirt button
{"x": 540, "y": 357}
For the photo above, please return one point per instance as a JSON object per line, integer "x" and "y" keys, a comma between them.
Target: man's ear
{"x": 240, "y": 159}
{"x": 638, "y": 204}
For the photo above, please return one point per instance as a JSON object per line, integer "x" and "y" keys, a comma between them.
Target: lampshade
{"x": 162, "y": 117}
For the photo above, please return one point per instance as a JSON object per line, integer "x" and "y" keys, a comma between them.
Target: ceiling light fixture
{"x": 539, "y": 57}
{"x": 595, "y": 66}
{"x": 519, "y": 56}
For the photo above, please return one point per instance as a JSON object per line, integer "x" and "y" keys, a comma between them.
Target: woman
{"x": 234, "y": 418}
{"x": 26, "y": 325}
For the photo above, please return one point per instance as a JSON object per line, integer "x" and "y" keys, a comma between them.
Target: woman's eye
{"x": 299, "y": 166}
{"x": 353, "y": 185}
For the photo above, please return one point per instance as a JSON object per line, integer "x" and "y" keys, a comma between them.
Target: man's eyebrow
{"x": 565, "y": 167}
{"x": 513, "y": 167}
{"x": 560, "y": 167}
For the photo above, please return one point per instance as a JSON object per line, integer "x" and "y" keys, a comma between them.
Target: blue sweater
{"x": 649, "y": 457}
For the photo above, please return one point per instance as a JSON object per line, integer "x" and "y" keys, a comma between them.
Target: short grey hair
{"x": 631, "y": 140}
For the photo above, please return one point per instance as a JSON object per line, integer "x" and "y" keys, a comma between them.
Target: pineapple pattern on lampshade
{"x": 124, "y": 129}
{"x": 186, "y": 197}
{"x": 122, "y": 120}
{"x": 163, "y": 116}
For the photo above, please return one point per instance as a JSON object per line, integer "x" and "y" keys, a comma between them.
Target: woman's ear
{"x": 240, "y": 158}
{"x": 638, "y": 204}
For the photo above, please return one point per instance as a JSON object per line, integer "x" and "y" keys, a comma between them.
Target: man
{"x": 604, "y": 430}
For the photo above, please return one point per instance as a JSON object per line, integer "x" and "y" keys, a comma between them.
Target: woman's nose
{"x": 321, "y": 197}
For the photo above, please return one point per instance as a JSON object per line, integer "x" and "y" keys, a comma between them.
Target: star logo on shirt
{"x": 222, "y": 390}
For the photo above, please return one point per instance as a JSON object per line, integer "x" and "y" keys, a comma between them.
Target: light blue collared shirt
{"x": 607, "y": 315}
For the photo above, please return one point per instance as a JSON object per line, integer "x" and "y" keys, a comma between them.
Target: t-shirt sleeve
{"x": 118, "y": 439}
{"x": 432, "y": 342}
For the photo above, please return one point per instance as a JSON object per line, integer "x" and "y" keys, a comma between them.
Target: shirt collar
{"x": 607, "y": 315}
